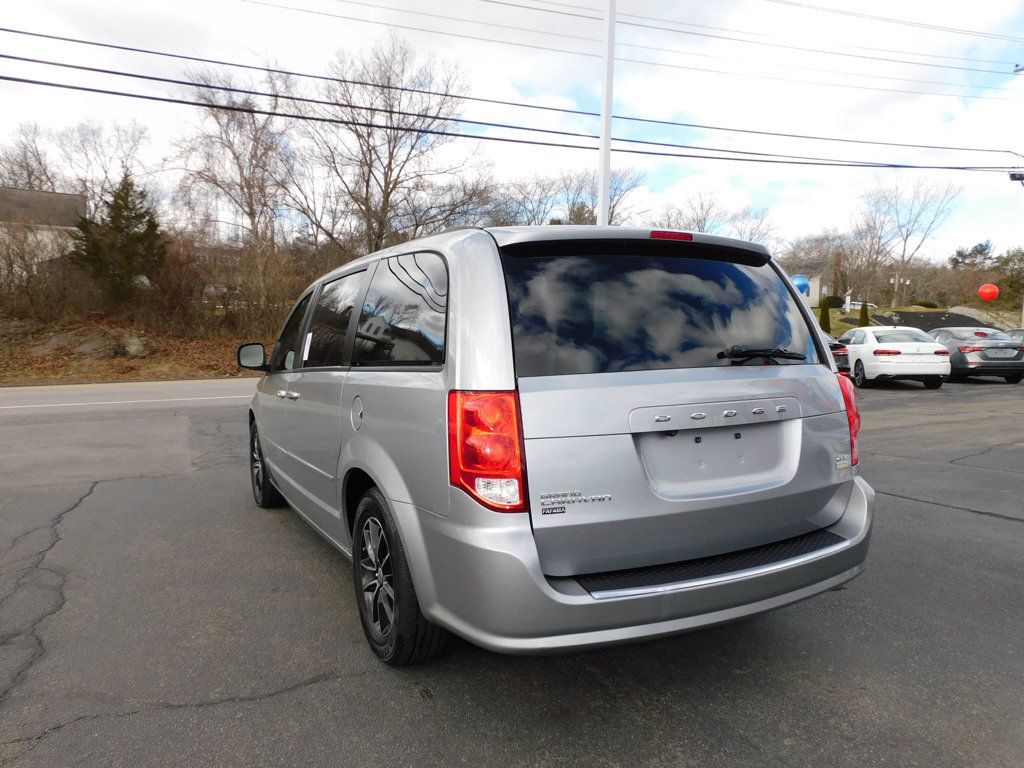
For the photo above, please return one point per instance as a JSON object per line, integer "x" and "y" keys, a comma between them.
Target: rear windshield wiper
{"x": 739, "y": 352}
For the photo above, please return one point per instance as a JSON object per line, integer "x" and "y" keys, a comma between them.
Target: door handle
{"x": 292, "y": 395}
{"x": 282, "y": 393}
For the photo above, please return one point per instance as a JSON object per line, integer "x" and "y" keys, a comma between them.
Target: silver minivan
{"x": 545, "y": 438}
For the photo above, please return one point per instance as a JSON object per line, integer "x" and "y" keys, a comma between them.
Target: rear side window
{"x": 403, "y": 317}
{"x": 594, "y": 314}
{"x": 331, "y": 317}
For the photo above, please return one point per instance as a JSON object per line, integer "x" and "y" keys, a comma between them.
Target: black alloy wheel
{"x": 860, "y": 378}
{"x": 264, "y": 493}
{"x": 389, "y": 611}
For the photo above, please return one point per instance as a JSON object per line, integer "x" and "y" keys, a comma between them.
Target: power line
{"x": 401, "y": 113}
{"x": 502, "y": 139}
{"x": 776, "y": 37}
{"x": 902, "y": 22}
{"x": 822, "y": 51}
{"x": 516, "y": 104}
{"x": 842, "y": 45}
{"x": 644, "y": 62}
{"x": 659, "y": 49}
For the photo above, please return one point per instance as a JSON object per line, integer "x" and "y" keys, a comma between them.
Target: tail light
{"x": 852, "y": 415}
{"x": 970, "y": 349}
{"x": 485, "y": 448}
{"x": 942, "y": 352}
{"x": 885, "y": 352}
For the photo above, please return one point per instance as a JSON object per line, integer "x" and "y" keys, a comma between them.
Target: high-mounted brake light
{"x": 668, "y": 234}
{"x": 886, "y": 352}
{"x": 852, "y": 416}
{"x": 969, "y": 348}
{"x": 942, "y": 352}
{"x": 485, "y": 448}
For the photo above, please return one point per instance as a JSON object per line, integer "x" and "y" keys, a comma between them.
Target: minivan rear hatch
{"x": 676, "y": 402}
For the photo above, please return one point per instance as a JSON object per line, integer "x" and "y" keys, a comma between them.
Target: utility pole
{"x": 605, "y": 163}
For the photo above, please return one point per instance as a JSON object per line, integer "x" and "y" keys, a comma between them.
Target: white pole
{"x": 605, "y": 165}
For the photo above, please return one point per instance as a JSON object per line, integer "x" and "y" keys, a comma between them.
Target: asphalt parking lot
{"x": 151, "y": 615}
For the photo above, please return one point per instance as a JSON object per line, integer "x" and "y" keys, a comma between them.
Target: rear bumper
{"x": 876, "y": 370}
{"x": 990, "y": 368}
{"x": 478, "y": 574}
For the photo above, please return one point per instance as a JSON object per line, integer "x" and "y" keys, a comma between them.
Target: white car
{"x": 887, "y": 352}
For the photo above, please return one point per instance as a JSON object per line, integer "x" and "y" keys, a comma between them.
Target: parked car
{"x": 543, "y": 438}
{"x": 840, "y": 354}
{"x": 856, "y": 305}
{"x": 982, "y": 352}
{"x": 890, "y": 352}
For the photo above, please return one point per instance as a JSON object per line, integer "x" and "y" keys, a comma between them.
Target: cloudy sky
{"x": 828, "y": 68}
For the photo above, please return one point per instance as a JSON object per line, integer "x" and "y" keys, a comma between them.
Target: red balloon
{"x": 988, "y": 292}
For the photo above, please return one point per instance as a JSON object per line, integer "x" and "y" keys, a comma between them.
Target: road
{"x": 150, "y": 615}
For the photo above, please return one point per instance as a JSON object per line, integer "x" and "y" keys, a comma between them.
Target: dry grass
{"x": 171, "y": 357}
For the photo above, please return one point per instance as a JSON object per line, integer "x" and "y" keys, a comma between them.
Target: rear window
{"x": 595, "y": 314}
{"x": 903, "y": 335}
{"x": 981, "y": 333}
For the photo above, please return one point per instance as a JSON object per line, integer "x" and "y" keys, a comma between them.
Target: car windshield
{"x": 903, "y": 335}
{"x": 981, "y": 333}
{"x": 576, "y": 314}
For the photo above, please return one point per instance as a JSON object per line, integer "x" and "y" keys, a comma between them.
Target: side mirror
{"x": 253, "y": 357}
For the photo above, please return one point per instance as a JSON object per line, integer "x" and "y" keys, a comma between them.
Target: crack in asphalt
{"x": 982, "y": 453}
{"x": 33, "y": 629}
{"x": 996, "y": 515}
{"x": 323, "y": 677}
{"x": 950, "y": 461}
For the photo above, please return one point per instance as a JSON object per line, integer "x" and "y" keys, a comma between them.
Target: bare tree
{"x": 752, "y": 224}
{"x": 700, "y": 213}
{"x": 25, "y": 163}
{"x": 379, "y": 175}
{"x": 237, "y": 157}
{"x": 527, "y": 200}
{"x": 827, "y": 251}
{"x": 578, "y": 194}
{"x": 899, "y": 220}
{"x": 96, "y": 155}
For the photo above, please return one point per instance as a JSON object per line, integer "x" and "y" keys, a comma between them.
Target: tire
{"x": 388, "y": 609}
{"x": 264, "y": 493}
{"x": 933, "y": 383}
{"x": 1014, "y": 378}
{"x": 859, "y": 377}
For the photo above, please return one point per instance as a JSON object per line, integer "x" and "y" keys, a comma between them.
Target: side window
{"x": 941, "y": 336}
{"x": 845, "y": 338}
{"x": 404, "y": 313}
{"x": 286, "y": 352}
{"x": 857, "y": 337}
{"x": 331, "y": 317}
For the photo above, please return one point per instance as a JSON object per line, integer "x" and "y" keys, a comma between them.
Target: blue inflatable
{"x": 802, "y": 284}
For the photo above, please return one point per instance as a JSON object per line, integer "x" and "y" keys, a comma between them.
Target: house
{"x": 36, "y": 226}
{"x": 819, "y": 279}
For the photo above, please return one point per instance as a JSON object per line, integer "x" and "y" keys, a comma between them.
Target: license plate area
{"x": 720, "y": 461}
{"x": 1001, "y": 353}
